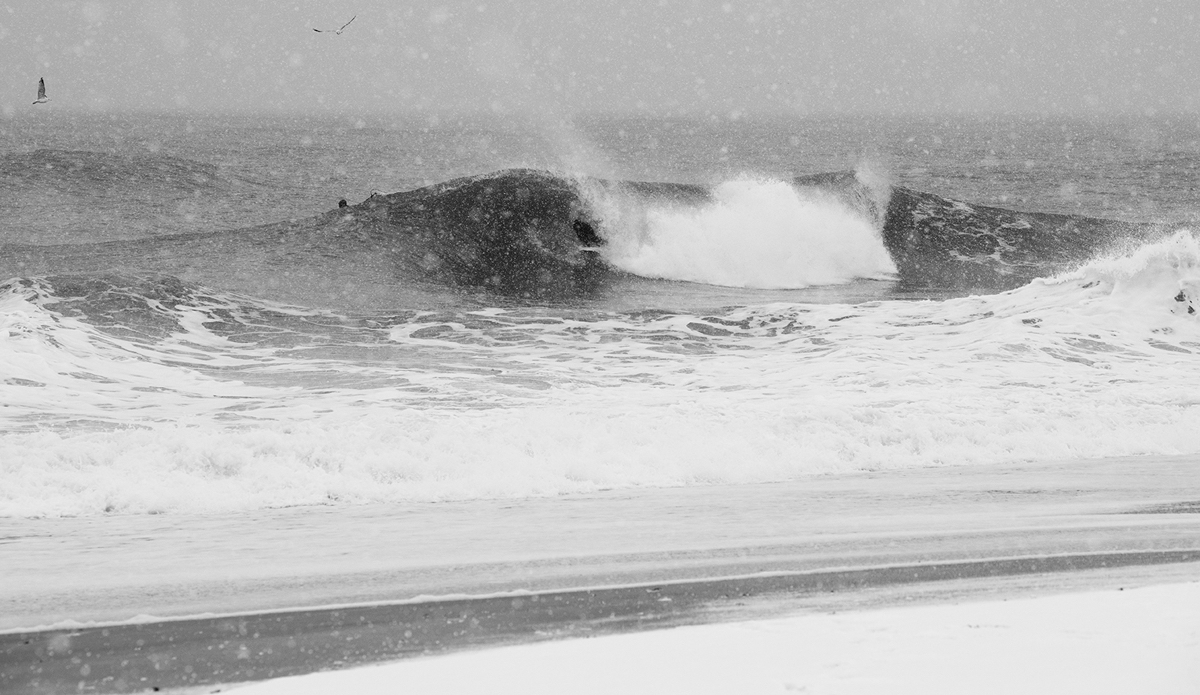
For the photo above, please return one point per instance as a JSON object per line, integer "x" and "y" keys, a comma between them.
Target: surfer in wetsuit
{"x": 585, "y": 234}
{"x": 342, "y": 203}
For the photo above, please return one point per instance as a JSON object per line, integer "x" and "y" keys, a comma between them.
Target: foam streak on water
{"x": 269, "y": 406}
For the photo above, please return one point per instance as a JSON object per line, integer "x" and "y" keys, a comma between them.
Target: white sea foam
{"x": 753, "y": 233}
{"x": 1098, "y": 362}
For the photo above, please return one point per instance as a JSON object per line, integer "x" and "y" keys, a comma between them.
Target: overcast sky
{"x": 565, "y": 56}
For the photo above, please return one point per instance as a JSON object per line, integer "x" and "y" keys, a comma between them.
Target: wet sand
{"x": 211, "y": 651}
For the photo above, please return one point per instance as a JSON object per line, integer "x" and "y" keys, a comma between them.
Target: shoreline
{"x": 212, "y": 651}
{"x": 113, "y": 569}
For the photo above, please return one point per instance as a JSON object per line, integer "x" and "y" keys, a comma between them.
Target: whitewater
{"x": 513, "y": 402}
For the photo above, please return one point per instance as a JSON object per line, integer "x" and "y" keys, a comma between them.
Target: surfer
{"x": 42, "y": 98}
{"x": 342, "y": 203}
{"x": 586, "y": 235}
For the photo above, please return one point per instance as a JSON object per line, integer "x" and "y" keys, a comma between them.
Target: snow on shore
{"x": 1144, "y": 640}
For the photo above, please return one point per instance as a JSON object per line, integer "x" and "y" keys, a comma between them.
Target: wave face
{"x": 513, "y": 232}
{"x": 144, "y": 394}
{"x": 940, "y": 243}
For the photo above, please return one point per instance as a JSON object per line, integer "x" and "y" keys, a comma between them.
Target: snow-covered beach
{"x": 1101, "y": 642}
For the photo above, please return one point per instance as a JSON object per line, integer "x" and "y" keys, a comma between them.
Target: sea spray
{"x": 752, "y": 233}
{"x": 877, "y": 184}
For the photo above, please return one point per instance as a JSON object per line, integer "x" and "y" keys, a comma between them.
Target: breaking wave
{"x": 537, "y": 236}
{"x": 752, "y": 233}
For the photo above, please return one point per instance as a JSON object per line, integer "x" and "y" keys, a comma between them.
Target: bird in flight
{"x": 42, "y": 98}
{"x": 337, "y": 31}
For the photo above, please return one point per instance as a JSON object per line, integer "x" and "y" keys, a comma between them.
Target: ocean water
{"x": 521, "y": 307}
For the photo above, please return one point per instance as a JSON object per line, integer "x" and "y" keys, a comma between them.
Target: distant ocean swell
{"x": 147, "y": 394}
{"x": 51, "y": 196}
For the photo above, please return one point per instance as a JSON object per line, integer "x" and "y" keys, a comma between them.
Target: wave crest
{"x": 1160, "y": 274}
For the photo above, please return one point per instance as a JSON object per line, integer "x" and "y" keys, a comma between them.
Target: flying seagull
{"x": 42, "y": 98}
{"x": 338, "y": 31}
